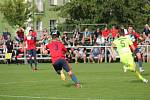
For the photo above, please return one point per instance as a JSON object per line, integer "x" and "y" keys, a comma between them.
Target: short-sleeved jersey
{"x": 134, "y": 38}
{"x": 57, "y": 50}
{"x": 122, "y": 45}
{"x": 30, "y": 42}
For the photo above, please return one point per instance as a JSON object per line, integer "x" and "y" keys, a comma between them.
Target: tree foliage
{"x": 16, "y": 12}
{"x": 135, "y": 12}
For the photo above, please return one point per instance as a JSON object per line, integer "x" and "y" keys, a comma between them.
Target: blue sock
{"x": 73, "y": 77}
{"x": 140, "y": 63}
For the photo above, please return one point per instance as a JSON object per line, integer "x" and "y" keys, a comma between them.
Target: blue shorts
{"x": 32, "y": 53}
{"x": 61, "y": 64}
{"x": 137, "y": 50}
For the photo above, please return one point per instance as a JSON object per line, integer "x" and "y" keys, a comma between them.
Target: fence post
{"x": 105, "y": 55}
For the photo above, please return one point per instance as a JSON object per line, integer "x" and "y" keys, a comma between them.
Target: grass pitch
{"x": 99, "y": 82}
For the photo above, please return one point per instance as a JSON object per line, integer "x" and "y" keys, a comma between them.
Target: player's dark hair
{"x": 121, "y": 32}
{"x": 54, "y": 36}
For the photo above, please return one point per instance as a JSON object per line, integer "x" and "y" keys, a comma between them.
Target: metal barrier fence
{"x": 144, "y": 48}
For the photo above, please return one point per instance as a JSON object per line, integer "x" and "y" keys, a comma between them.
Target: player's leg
{"x": 132, "y": 67}
{"x": 68, "y": 69}
{"x": 139, "y": 57}
{"x": 34, "y": 58}
{"x": 58, "y": 68}
{"x": 30, "y": 58}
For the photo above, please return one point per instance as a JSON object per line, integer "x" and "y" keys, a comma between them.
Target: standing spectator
{"x": 114, "y": 32}
{"x": 96, "y": 34}
{"x": 76, "y": 36}
{"x": 65, "y": 39}
{"x": 146, "y": 31}
{"x": 5, "y": 34}
{"x": 44, "y": 41}
{"x": 105, "y": 33}
{"x": 8, "y": 49}
{"x": 20, "y": 35}
{"x": 1, "y": 44}
{"x": 87, "y": 36}
{"x": 134, "y": 38}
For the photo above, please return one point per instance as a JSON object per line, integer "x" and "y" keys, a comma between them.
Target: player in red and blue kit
{"x": 30, "y": 40}
{"x": 134, "y": 37}
{"x": 57, "y": 52}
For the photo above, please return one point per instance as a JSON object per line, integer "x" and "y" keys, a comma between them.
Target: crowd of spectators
{"x": 76, "y": 40}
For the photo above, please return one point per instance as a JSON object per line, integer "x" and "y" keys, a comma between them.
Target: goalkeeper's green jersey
{"x": 122, "y": 43}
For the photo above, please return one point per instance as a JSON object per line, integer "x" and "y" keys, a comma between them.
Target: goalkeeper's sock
{"x": 74, "y": 79}
{"x": 139, "y": 75}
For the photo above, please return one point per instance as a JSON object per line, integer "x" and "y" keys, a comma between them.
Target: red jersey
{"x": 114, "y": 32}
{"x": 105, "y": 33}
{"x": 30, "y": 42}
{"x": 134, "y": 38}
{"x": 34, "y": 34}
{"x": 57, "y": 50}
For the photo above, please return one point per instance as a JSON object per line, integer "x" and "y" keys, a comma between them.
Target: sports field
{"x": 99, "y": 82}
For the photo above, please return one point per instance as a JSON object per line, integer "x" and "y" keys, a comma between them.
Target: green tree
{"x": 16, "y": 12}
{"x": 135, "y": 12}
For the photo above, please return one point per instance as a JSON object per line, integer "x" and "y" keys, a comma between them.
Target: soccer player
{"x": 31, "y": 49}
{"x": 57, "y": 52}
{"x": 134, "y": 38}
{"x": 122, "y": 43}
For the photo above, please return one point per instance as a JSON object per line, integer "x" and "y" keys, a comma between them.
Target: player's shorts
{"x": 137, "y": 50}
{"x": 32, "y": 53}
{"x": 127, "y": 59}
{"x": 61, "y": 64}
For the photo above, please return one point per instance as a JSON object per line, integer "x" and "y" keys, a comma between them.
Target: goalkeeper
{"x": 122, "y": 43}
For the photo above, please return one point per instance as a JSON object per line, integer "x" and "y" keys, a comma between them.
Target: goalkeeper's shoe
{"x": 145, "y": 80}
{"x": 62, "y": 76}
{"x": 125, "y": 68}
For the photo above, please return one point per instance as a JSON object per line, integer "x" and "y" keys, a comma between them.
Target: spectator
{"x": 65, "y": 39}
{"x": 95, "y": 54}
{"x": 114, "y": 32}
{"x": 146, "y": 31}
{"x": 44, "y": 41}
{"x": 81, "y": 53}
{"x": 76, "y": 37}
{"x": 105, "y": 33}
{"x": 87, "y": 36}
{"x": 1, "y": 44}
{"x": 100, "y": 40}
{"x": 6, "y": 33}
{"x": 19, "y": 52}
{"x": 20, "y": 35}
{"x": 96, "y": 34}
{"x": 8, "y": 49}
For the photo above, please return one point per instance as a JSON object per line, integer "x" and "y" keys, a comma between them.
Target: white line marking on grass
{"x": 26, "y": 82}
{"x": 51, "y": 98}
